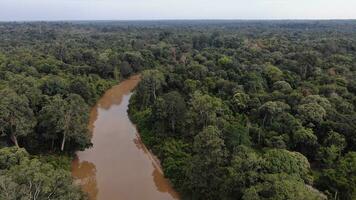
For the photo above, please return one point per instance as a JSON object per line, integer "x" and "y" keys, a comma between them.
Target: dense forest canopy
{"x": 233, "y": 109}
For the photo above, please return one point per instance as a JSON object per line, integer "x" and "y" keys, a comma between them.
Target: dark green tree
{"x": 206, "y": 168}
{"x": 16, "y": 117}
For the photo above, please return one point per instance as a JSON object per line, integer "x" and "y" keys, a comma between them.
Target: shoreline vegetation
{"x": 233, "y": 109}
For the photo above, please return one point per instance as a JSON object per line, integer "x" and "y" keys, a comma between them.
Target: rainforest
{"x": 223, "y": 109}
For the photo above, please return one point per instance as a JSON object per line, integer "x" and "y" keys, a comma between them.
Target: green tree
{"x": 332, "y": 148}
{"x": 271, "y": 109}
{"x": 236, "y": 134}
{"x": 341, "y": 180}
{"x": 240, "y": 101}
{"x": 12, "y": 156}
{"x": 28, "y": 86}
{"x": 206, "y": 168}
{"x": 225, "y": 61}
{"x": 82, "y": 87}
{"x": 151, "y": 84}
{"x": 311, "y": 113}
{"x": 245, "y": 171}
{"x": 282, "y": 86}
{"x": 66, "y": 118}
{"x": 292, "y": 163}
{"x": 176, "y": 159}
{"x": 16, "y": 116}
{"x": 206, "y": 109}
{"x": 171, "y": 109}
{"x": 305, "y": 140}
{"x": 125, "y": 69}
{"x": 53, "y": 85}
{"x": 282, "y": 187}
{"x": 322, "y": 101}
{"x": 31, "y": 179}
{"x": 273, "y": 73}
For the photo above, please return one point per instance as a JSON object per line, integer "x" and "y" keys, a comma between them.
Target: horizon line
{"x": 188, "y": 19}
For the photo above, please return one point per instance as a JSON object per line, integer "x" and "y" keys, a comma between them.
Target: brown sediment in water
{"x": 119, "y": 166}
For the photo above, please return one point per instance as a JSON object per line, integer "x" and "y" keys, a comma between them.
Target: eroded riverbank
{"x": 119, "y": 166}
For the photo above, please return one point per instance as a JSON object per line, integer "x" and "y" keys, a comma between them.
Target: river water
{"x": 118, "y": 166}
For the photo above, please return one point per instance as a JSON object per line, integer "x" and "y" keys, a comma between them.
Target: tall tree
{"x": 151, "y": 84}
{"x": 16, "y": 117}
{"x": 171, "y": 108}
{"x": 67, "y": 119}
{"x": 206, "y": 168}
{"x": 206, "y": 109}
{"x": 32, "y": 179}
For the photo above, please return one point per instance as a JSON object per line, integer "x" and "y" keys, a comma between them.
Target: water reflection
{"x": 160, "y": 180}
{"x": 85, "y": 176}
{"x": 157, "y": 173}
{"x": 115, "y": 94}
{"x": 119, "y": 166}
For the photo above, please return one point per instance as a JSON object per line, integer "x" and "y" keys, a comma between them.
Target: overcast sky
{"x": 11, "y": 10}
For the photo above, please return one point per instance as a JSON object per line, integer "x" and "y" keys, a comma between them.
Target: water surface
{"x": 119, "y": 166}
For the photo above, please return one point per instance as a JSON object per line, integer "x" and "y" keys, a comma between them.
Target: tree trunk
{"x": 14, "y": 140}
{"x": 173, "y": 126}
{"x": 52, "y": 144}
{"x": 63, "y": 142}
{"x": 259, "y": 137}
{"x": 264, "y": 120}
{"x": 154, "y": 93}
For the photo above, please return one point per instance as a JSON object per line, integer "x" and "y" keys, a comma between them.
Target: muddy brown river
{"x": 119, "y": 166}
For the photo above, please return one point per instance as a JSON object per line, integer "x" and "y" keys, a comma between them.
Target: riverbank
{"x": 118, "y": 166}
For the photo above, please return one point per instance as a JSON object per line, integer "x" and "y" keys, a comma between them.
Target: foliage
{"x": 31, "y": 179}
{"x": 254, "y": 104}
{"x": 285, "y": 90}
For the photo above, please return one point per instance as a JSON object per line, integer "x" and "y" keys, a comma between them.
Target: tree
{"x": 253, "y": 82}
{"x": 236, "y": 134}
{"x": 135, "y": 60}
{"x": 282, "y": 86}
{"x": 277, "y": 174}
{"x": 225, "y": 61}
{"x": 292, "y": 163}
{"x": 240, "y": 101}
{"x": 308, "y": 61}
{"x": 305, "y": 140}
{"x": 32, "y": 179}
{"x": 245, "y": 171}
{"x": 16, "y": 117}
{"x": 66, "y": 118}
{"x": 322, "y": 101}
{"x": 205, "y": 170}
{"x": 311, "y": 113}
{"x": 332, "y": 148}
{"x": 53, "y": 85}
{"x": 206, "y": 109}
{"x": 341, "y": 180}
{"x": 282, "y": 187}
{"x": 335, "y": 139}
{"x": 12, "y": 156}
{"x": 82, "y": 87}
{"x": 273, "y": 73}
{"x": 176, "y": 159}
{"x": 271, "y": 109}
{"x": 197, "y": 71}
{"x": 151, "y": 84}
{"x": 28, "y": 86}
{"x": 171, "y": 108}
{"x": 125, "y": 69}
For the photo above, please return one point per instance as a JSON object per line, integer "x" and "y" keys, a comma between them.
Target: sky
{"x": 51, "y": 10}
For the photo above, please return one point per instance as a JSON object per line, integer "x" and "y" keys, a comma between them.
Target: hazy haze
{"x": 11, "y": 10}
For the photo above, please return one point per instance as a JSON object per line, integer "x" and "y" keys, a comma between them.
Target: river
{"x": 118, "y": 166}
